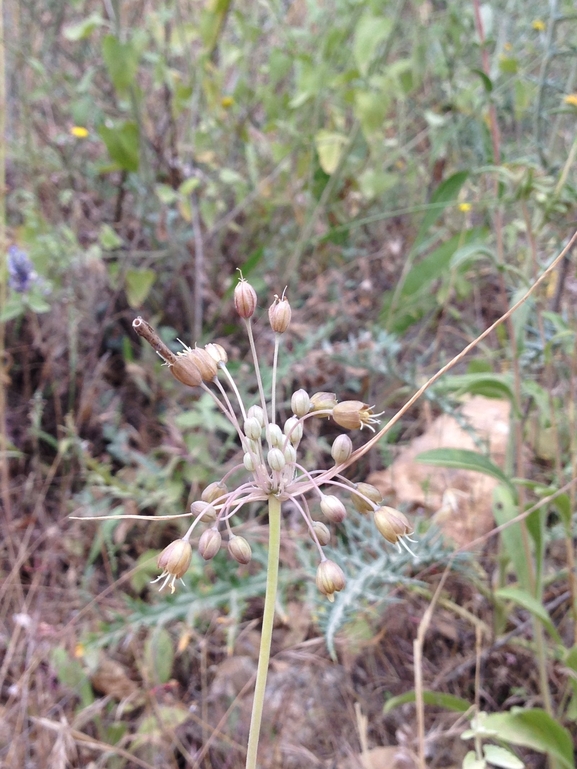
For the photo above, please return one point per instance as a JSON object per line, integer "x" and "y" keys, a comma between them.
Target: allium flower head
{"x": 269, "y": 451}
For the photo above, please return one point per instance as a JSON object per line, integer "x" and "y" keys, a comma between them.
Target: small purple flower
{"x": 21, "y": 272}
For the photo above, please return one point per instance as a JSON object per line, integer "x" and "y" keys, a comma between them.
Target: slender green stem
{"x": 256, "y": 369}
{"x": 274, "y": 509}
{"x": 274, "y": 372}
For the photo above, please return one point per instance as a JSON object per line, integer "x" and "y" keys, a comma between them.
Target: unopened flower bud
{"x": 276, "y": 460}
{"x": 205, "y": 510}
{"x": 371, "y": 493}
{"x": 341, "y": 449}
{"x": 322, "y": 532}
{"x": 252, "y": 428}
{"x": 330, "y": 578}
{"x": 214, "y": 491}
{"x": 392, "y": 524}
{"x": 209, "y": 543}
{"x": 174, "y": 561}
{"x": 354, "y": 415}
{"x": 333, "y": 508}
{"x": 248, "y": 462}
{"x": 323, "y": 401}
{"x": 257, "y": 413}
{"x": 245, "y": 299}
{"x": 205, "y": 363}
{"x": 290, "y": 454}
{"x": 217, "y": 352}
{"x": 239, "y": 549}
{"x": 185, "y": 370}
{"x": 279, "y": 315}
{"x": 293, "y": 429}
{"x": 274, "y": 435}
{"x": 300, "y": 403}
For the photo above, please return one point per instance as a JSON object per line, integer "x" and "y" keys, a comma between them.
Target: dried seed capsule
{"x": 204, "y": 362}
{"x": 174, "y": 561}
{"x": 276, "y": 460}
{"x": 323, "y": 401}
{"x": 245, "y": 299}
{"x": 333, "y": 508}
{"x": 209, "y": 543}
{"x": 214, "y": 491}
{"x": 279, "y": 315}
{"x": 330, "y": 578}
{"x": 341, "y": 449}
{"x": 217, "y": 353}
{"x": 185, "y": 370}
{"x": 392, "y": 524}
{"x": 252, "y": 428}
{"x": 293, "y": 429}
{"x": 367, "y": 490}
{"x": 300, "y": 403}
{"x": 354, "y": 415}
{"x": 322, "y": 532}
{"x": 239, "y": 549}
{"x": 205, "y": 510}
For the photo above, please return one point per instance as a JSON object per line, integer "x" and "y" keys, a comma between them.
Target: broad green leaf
{"x": 571, "y": 658}
{"x": 329, "y": 146}
{"x": 498, "y": 756}
{"x": 189, "y": 185}
{"x": 534, "y": 729}
{"x": 371, "y": 110}
{"x": 485, "y": 79}
{"x": 527, "y": 601}
{"x": 472, "y": 762}
{"x": 123, "y": 144}
{"x": 463, "y": 459}
{"x": 121, "y": 61}
{"x": 37, "y": 303}
{"x": 84, "y": 28}
{"x": 13, "y": 308}
{"x": 71, "y": 674}
{"x": 416, "y": 286}
{"x": 470, "y": 252}
{"x": 439, "y": 699}
{"x": 159, "y": 656}
{"x": 505, "y": 509}
{"x": 446, "y": 193}
{"x": 164, "y": 720}
{"x": 373, "y": 182}
{"x": 138, "y": 285}
{"x": 108, "y": 238}
{"x": 166, "y": 194}
{"x": 369, "y": 34}
{"x": 488, "y": 384}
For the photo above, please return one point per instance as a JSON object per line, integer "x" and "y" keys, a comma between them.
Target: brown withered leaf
{"x": 461, "y": 500}
{"x": 110, "y": 678}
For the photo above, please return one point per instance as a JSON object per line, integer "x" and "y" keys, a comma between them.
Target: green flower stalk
{"x": 269, "y": 456}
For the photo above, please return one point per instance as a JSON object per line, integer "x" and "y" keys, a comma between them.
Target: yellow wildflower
{"x": 571, "y": 99}
{"x": 464, "y": 207}
{"x": 227, "y": 101}
{"x": 539, "y": 25}
{"x": 79, "y": 131}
